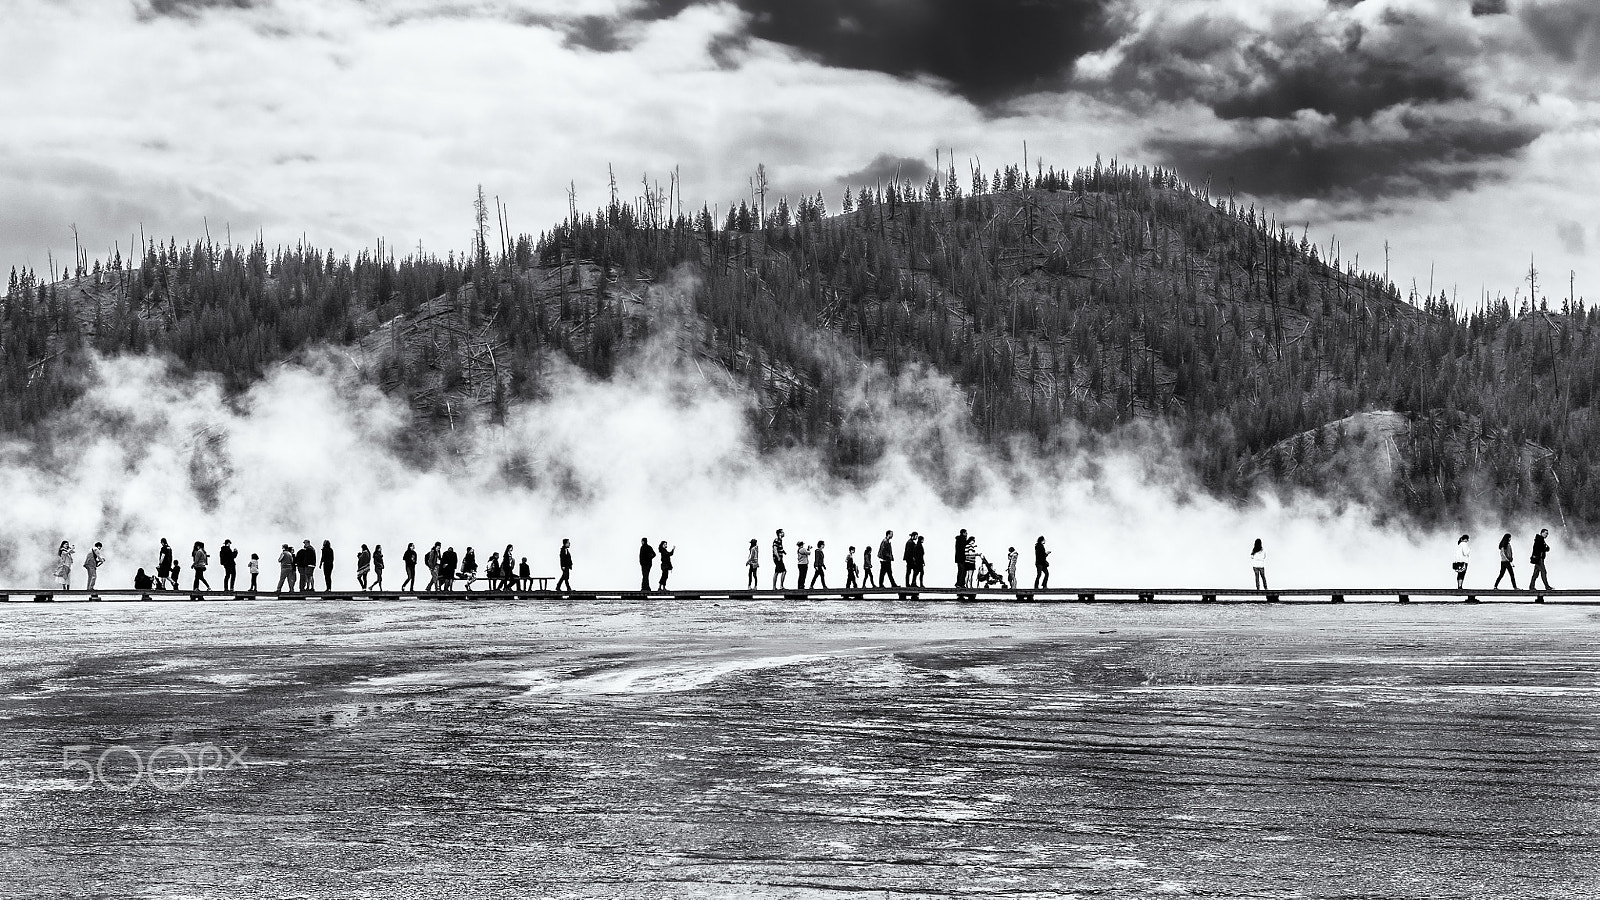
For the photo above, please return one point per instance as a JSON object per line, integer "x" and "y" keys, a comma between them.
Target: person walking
{"x": 1463, "y": 555}
{"x": 228, "y": 558}
{"x": 802, "y": 559}
{"x": 1541, "y": 547}
{"x": 433, "y": 560}
{"x": 647, "y": 559}
{"x": 752, "y": 565}
{"x": 285, "y": 569}
{"x": 1258, "y": 561}
{"x": 922, "y": 562}
{"x": 63, "y": 570}
{"x": 92, "y": 561}
{"x": 908, "y": 558}
{"x": 868, "y": 580}
{"x": 409, "y": 560}
{"x": 363, "y": 565}
{"x": 961, "y": 558}
{"x": 850, "y": 570}
{"x": 447, "y": 568}
{"x": 254, "y": 567}
{"x": 779, "y": 573}
{"x": 164, "y": 565}
{"x": 886, "y": 561}
{"x": 327, "y": 565}
{"x": 665, "y": 553}
{"x": 468, "y": 570}
{"x": 377, "y": 567}
{"x": 1041, "y": 565}
{"x": 565, "y": 584}
{"x": 201, "y": 560}
{"x": 819, "y": 565}
{"x": 1011, "y": 567}
{"x": 305, "y": 559}
{"x": 1506, "y": 558}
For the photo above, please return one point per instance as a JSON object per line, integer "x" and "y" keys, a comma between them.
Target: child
{"x": 255, "y": 570}
{"x": 525, "y": 575}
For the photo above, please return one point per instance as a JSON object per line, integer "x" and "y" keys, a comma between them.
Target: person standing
{"x": 201, "y": 560}
{"x": 1011, "y": 567}
{"x": 1463, "y": 556}
{"x": 819, "y": 567}
{"x": 779, "y": 573}
{"x": 92, "y": 561}
{"x": 566, "y": 566}
{"x": 327, "y": 565}
{"x": 850, "y": 570}
{"x": 802, "y": 559}
{"x": 434, "y": 560}
{"x": 305, "y": 559}
{"x": 665, "y": 553}
{"x": 363, "y": 565}
{"x": 63, "y": 570}
{"x": 409, "y": 560}
{"x": 922, "y": 561}
{"x": 1258, "y": 561}
{"x": 164, "y": 565}
{"x": 254, "y": 566}
{"x": 961, "y": 558}
{"x": 647, "y": 559}
{"x": 285, "y": 569}
{"x": 1541, "y": 547}
{"x": 752, "y": 564}
{"x": 228, "y": 558}
{"x": 1041, "y": 565}
{"x": 886, "y": 561}
{"x": 908, "y": 558}
{"x": 1506, "y": 558}
{"x": 867, "y": 578}
{"x": 447, "y": 569}
{"x": 377, "y": 567}
{"x": 973, "y": 556}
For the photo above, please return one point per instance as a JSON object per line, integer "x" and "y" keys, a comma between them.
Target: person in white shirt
{"x": 1258, "y": 561}
{"x": 1463, "y": 554}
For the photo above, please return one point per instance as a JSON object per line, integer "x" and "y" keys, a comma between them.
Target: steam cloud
{"x": 661, "y": 450}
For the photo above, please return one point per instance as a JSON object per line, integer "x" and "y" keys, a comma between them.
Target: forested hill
{"x": 1097, "y": 296}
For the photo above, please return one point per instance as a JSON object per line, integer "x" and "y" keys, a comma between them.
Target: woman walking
{"x": 469, "y": 567}
{"x": 409, "y": 558}
{"x": 377, "y": 567}
{"x": 665, "y": 553}
{"x": 363, "y": 566}
{"x": 752, "y": 565}
{"x": 1505, "y": 563}
{"x": 866, "y": 567}
{"x": 1258, "y": 562}
{"x": 201, "y": 560}
{"x": 1463, "y": 555}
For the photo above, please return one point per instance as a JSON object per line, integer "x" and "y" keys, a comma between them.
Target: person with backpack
{"x": 92, "y": 561}
{"x": 434, "y": 560}
{"x": 1506, "y": 558}
{"x": 647, "y": 560}
{"x": 228, "y": 558}
{"x": 1541, "y": 548}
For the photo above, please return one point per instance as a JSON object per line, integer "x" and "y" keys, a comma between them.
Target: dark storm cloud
{"x": 1569, "y": 30}
{"x": 1424, "y": 158}
{"x": 987, "y": 50}
{"x": 886, "y": 167}
{"x": 1489, "y": 7}
{"x": 192, "y": 8}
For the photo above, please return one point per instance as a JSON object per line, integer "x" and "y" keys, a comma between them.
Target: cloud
{"x": 1568, "y": 30}
{"x": 1571, "y": 235}
{"x": 886, "y": 167}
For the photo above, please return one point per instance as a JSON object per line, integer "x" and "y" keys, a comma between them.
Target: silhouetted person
{"x": 363, "y": 565}
{"x": 850, "y": 570}
{"x": 327, "y": 565}
{"x": 447, "y": 569}
{"x": 752, "y": 565}
{"x": 922, "y": 561}
{"x": 305, "y": 560}
{"x": 886, "y": 561}
{"x": 228, "y": 558}
{"x": 409, "y": 560}
{"x": 565, "y": 584}
{"x": 1505, "y": 563}
{"x": 254, "y": 566}
{"x": 1011, "y": 567}
{"x": 164, "y": 564}
{"x": 1541, "y": 547}
{"x": 647, "y": 559}
{"x": 779, "y": 572}
{"x": 961, "y": 558}
{"x": 201, "y": 560}
{"x": 819, "y": 565}
{"x": 524, "y": 576}
{"x": 666, "y": 564}
{"x": 377, "y": 567}
{"x": 802, "y": 563}
{"x": 1258, "y": 561}
{"x": 433, "y": 560}
{"x": 469, "y": 567}
{"x": 92, "y": 561}
{"x": 973, "y": 556}
{"x": 177, "y": 572}
{"x": 868, "y": 580}
{"x": 286, "y": 574}
{"x": 1041, "y": 565}
{"x": 143, "y": 582}
{"x": 1463, "y": 555}
{"x": 909, "y": 559}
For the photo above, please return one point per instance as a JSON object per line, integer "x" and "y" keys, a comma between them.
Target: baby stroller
{"x": 988, "y": 577}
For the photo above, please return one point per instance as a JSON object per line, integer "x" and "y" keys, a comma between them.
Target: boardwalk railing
{"x": 989, "y": 595}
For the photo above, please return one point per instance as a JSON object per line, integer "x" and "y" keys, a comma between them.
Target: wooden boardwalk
{"x": 1019, "y": 595}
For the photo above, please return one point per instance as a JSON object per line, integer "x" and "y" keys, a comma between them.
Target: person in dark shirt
{"x": 565, "y": 584}
{"x": 327, "y": 566}
{"x": 447, "y": 568}
{"x": 164, "y": 564}
{"x": 524, "y": 576}
{"x": 469, "y": 567}
{"x": 228, "y": 557}
{"x": 1041, "y": 565}
{"x": 665, "y": 553}
{"x": 1541, "y": 547}
{"x": 886, "y": 561}
{"x": 647, "y": 560}
{"x": 143, "y": 582}
{"x": 909, "y": 557}
{"x": 819, "y": 565}
{"x": 377, "y": 567}
{"x": 961, "y": 558}
{"x": 409, "y": 560}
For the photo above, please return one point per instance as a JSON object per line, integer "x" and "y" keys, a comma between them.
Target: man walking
{"x": 1541, "y": 546}
{"x": 779, "y": 573}
{"x": 886, "y": 561}
{"x": 565, "y": 584}
{"x": 819, "y": 566}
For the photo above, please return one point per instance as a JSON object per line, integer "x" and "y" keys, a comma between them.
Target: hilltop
{"x": 1097, "y": 297}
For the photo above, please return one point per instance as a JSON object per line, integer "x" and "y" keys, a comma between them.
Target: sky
{"x": 1462, "y": 134}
